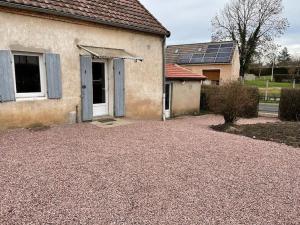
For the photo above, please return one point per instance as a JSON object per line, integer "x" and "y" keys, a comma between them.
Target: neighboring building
{"x": 183, "y": 90}
{"x": 218, "y": 61}
{"x": 96, "y": 58}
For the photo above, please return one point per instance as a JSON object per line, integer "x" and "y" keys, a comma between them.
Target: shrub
{"x": 286, "y": 78}
{"x": 281, "y": 70}
{"x": 251, "y": 109}
{"x": 262, "y": 71}
{"x": 206, "y": 92}
{"x": 289, "y": 106}
{"x": 233, "y": 100}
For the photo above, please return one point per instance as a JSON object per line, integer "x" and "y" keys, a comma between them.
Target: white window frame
{"x": 32, "y": 95}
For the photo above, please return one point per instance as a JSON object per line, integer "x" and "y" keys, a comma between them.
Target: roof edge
{"x": 168, "y": 32}
{"x": 199, "y": 43}
{"x": 82, "y": 18}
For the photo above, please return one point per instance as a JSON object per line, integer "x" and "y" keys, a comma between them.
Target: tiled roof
{"x": 174, "y": 71}
{"x": 175, "y": 53}
{"x": 129, "y": 14}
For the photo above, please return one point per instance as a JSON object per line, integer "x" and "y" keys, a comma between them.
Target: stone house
{"x": 84, "y": 58}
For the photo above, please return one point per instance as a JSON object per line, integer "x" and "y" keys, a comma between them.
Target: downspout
{"x": 164, "y": 79}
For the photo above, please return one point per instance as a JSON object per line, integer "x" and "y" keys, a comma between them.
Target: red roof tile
{"x": 174, "y": 71}
{"x": 120, "y": 13}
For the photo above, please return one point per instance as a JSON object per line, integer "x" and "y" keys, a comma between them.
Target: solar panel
{"x": 227, "y": 54}
{"x": 225, "y": 50}
{"x": 229, "y": 45}
{"x": 212, "y": 50}
{"x": 209, "y": 59}
{"x": 198, "y": 56}
{"x": 222, "y": 60}
{"x": 215, "y": 53}
{"x": 211, "y": 55}
{"x": 214, "y": 46}
{"x": 196, "y": 60}
{"x": 184, "y": 59}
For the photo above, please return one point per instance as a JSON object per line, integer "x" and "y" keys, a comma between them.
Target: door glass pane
{"x": 27, "y": 71}
{"x": 99, "y": 86}
{"x": 167, "y": 96}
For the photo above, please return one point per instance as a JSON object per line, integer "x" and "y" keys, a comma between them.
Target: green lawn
{"x": 261, "y": 83}
{"x": 274, "y": 89}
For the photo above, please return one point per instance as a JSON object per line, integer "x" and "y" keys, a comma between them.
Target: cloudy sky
{"x": 189, "y": 20}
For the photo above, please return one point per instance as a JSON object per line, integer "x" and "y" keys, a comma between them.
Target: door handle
{"x": 83, "y": 86}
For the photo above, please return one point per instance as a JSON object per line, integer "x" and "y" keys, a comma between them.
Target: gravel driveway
{"x": 178, "y": 172}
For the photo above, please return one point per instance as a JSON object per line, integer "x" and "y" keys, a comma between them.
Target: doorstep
{"x": 109, "y": 122}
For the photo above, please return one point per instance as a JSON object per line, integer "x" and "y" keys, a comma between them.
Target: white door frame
{"x": 103, "y": 108}
{"x": 168, "y": 112}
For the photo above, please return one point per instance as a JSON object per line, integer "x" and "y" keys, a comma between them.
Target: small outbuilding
{"x": 183, "y": 90}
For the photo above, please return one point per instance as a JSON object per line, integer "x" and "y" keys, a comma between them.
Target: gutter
{"x": 83, "y": 18}
{"x": 164, "y": 79}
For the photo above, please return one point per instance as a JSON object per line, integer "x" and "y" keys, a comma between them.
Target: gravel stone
{"x": 147, "y": 172}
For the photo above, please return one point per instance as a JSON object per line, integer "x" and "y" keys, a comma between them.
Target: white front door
{"x": 100, "y": 88}
{"x": 168, "y": 101}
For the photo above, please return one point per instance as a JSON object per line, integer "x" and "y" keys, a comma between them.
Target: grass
{"x": 274, "y": 90}
{"x": 281, "y": 132}
{"x": 261, "y": 83}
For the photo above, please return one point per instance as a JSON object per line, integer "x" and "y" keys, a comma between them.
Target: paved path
{"x": 178, "y": 172}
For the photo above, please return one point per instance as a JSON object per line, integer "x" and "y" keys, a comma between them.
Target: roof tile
{"x": 174, "y": 71}
{"x": 121, "y": 13}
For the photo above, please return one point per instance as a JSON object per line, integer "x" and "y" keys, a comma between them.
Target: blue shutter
{"x": 7, "y": 87}
{"x": 119, "y": 73}
{"x": 86, "y": 87}
{"x": 53, "y": 71}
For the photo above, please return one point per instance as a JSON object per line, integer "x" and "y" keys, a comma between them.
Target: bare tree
{"x": 253, "y": 23}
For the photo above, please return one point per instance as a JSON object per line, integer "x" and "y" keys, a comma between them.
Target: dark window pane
{"x": 167, "y": 96}
{"x": 99, "y": 95}
{"x": 27, "y": 72}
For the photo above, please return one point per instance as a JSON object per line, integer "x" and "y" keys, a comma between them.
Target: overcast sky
{"x": 189, "y": 20}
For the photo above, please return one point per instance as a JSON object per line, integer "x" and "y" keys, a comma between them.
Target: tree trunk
{"x": 229, "y": 119}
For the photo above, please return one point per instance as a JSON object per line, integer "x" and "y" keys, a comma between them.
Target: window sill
{"x": 30, "y": 99}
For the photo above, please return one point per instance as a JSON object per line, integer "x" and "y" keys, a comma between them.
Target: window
{"x": 29, "y": 75}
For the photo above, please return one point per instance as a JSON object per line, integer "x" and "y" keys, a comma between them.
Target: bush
{"x": 233, "y": 100}
{"x": 289, "y": 106}
{"x": 286, "y": 78}
{"x": 281, "y": 70}
{"x": 206, "y": 92}
{"x": 263, "y": 71}
{"x": 277, "y": 70}
{"x": 251, "y": 110}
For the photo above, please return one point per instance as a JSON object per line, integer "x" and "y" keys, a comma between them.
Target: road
{"x": 268, "y": 108}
